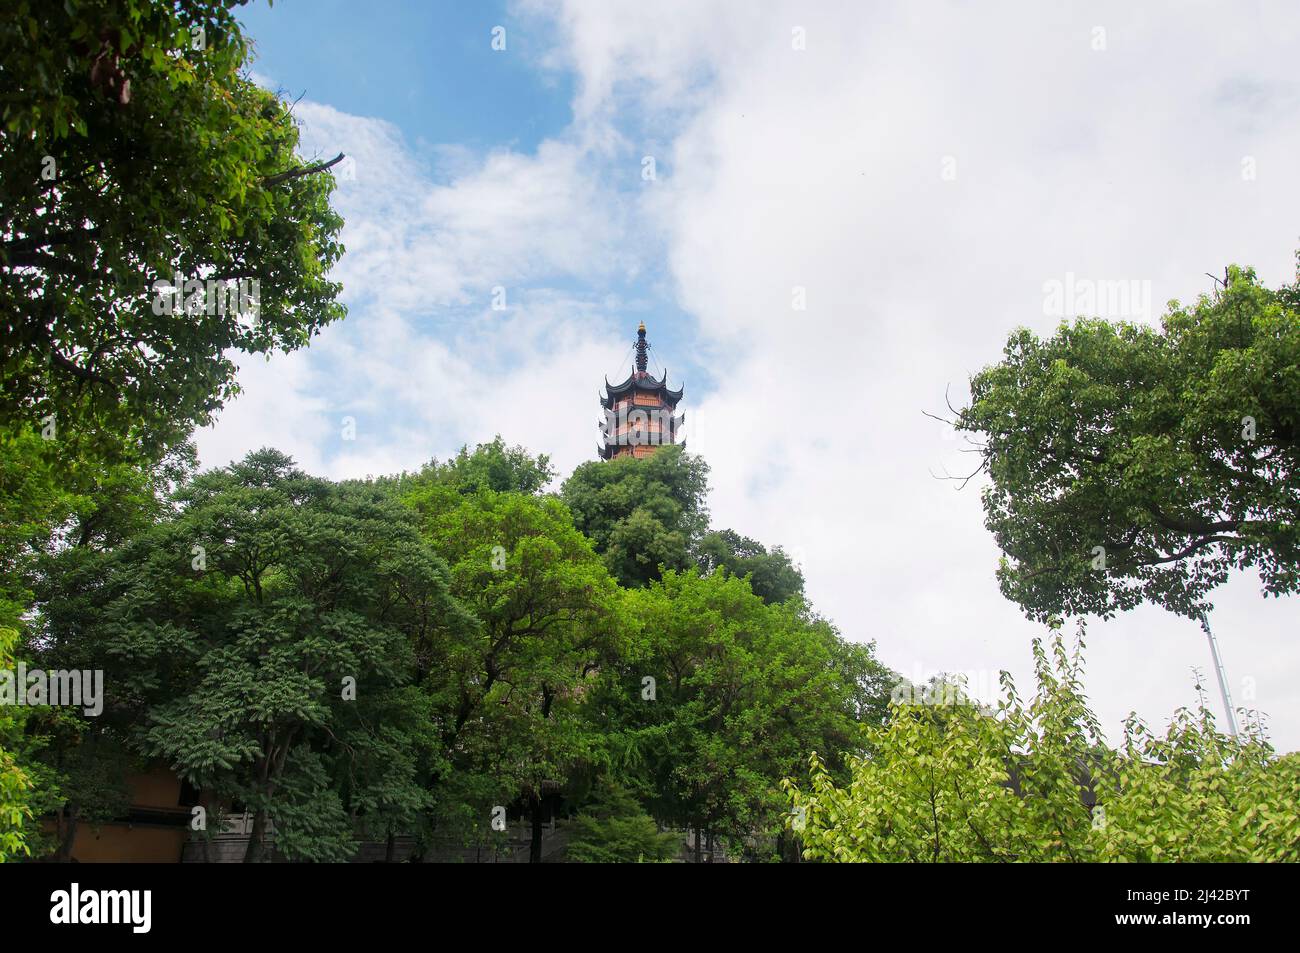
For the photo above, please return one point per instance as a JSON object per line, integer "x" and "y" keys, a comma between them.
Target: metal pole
{"x": 1223, "y": 676}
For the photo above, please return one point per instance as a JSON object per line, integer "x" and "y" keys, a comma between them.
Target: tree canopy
{"x": 490, "y": 466}
{"x": 546, "y": 616}
{"x": 615, "y": 829}
{"x": 260, "y": 642}
{"x": 1129, "y": 463}
{"x": 641, "y": 513}
{"x": 136, "y": 151}
{"x": 408, "y": 656}
{"x": 772, "y": 575}
{"x": 16, "y": 784}
{"x": 719, "y": 696}
{"x": 1035, "y": 782}
{"x": 155, "y": 221}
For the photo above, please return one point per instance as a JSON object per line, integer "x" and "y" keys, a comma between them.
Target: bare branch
{"x": 45, "y": 262}
{"x": 949, "y": 402}
{"x": 1196, "y": 544}
{"x": 59, "y": 359}
{"x": 65, "y": 237}
{"x": 295, "y": 173}
{"x": 962, "y": 479}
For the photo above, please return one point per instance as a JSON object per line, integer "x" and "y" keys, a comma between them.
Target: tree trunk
{"x": 268, "y": 770}
{"x": 535, "y": 848}
{"x": 255, "y": 853}
{"x": 390, "y": 850}
{"x": 64, "y": 853}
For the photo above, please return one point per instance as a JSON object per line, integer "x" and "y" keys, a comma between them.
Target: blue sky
{"x": 425, "y": 66}
{"x": 853, "y": 205}
{"x": 431, "y": 71}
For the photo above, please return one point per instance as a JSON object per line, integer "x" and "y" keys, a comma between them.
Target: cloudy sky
{"x": 827, "y": 214}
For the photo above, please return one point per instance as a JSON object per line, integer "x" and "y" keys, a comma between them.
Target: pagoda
{"x": 639, "y": 412}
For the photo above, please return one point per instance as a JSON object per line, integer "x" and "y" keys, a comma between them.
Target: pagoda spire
{"x": 641, "y": 348}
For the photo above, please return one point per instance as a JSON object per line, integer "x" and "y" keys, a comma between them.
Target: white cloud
{"x": 821, "y": 168}
{"x": 277, "y": 408}
{"x": 424, "y": 363}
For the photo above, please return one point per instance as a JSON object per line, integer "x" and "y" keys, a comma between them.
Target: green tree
{"x": 641, "y": 513}
{"x": 262, "y": 642}
{"x": 772, "y": 575}
{"x": 547, "y": 616}
{"x": 34, "y": 499}
{"x": 69, "y": 510}
{"x": 15, "y": 783}
{"x": 615, "y": 829}
{"x": 80, "y": 767}
{"x": 135, "y": 150}
{"x": 719, "y": 696}
{"x": 1034, "y": 782}
{"x": 491, "y": 466}
{"x": 50, "y": 502}
{"x": 1129, "y": 463}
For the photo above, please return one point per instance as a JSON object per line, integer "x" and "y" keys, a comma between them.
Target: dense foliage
{"x": 135, "y": 150}
{"x": 546, "y": 616}
{"x": 368, "y": 660}
{"x": 642, "y": 515}
{"x": 616, "y": 829}
{"x": 719, "y": 696}
{"x": 74, "y": 510}
{"x": 258, "y": 642}
{"x": 772, "y": 575}
{"x": 15, "y": 783}
{"x": 1129, "y": 463}
{"x": 1035, "y": 782}
{"x": 490, "y": 466}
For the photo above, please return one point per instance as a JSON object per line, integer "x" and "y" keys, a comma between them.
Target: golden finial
{"x": 641, "y": 347}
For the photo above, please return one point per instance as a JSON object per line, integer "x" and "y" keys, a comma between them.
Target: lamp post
{"x": 1223, "y": 676}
